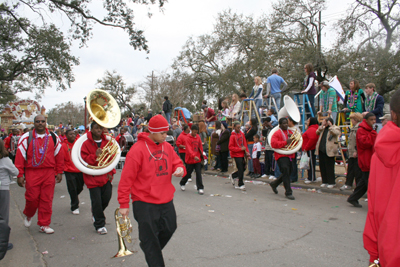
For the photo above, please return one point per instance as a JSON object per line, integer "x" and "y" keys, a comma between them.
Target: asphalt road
{"x": 231, "y": 228}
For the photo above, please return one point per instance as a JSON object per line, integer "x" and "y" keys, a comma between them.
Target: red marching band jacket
{"x": 194, "y": 148}
{"x": 88, "y": 154}
{"x": 365, "y": 139}
{"x": 310, "y": 138}
{"x": 68, "y": 164}
{"x": 54, "y": 157}
{"x": 279, "y": 140}
{"x": 236, "y": 141}
{"x": 181, "y": 141}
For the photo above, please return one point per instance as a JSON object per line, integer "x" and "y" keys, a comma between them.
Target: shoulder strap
{"x": 54, "y": 139}
{"x": 53, "y": 136}
{"x": 29, "y": 140}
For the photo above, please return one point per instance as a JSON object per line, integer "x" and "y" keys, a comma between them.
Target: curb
{"x": 297, "y": 184}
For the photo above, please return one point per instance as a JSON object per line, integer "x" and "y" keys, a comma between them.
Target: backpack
{"x": 53, "y": 136}
{"x": 169, "y": 106}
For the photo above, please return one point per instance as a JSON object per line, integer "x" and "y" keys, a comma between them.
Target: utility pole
{"x": 152, "y": 87}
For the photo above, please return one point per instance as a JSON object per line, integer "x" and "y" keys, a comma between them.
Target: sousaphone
{"x": 104, "y": 110}
{"x": 289, "y": 109}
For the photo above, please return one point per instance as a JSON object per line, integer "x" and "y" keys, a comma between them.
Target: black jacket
{"x": 223, "y": 142}
{"x": 149, "y": 116}
{"x": 167, "y": 106}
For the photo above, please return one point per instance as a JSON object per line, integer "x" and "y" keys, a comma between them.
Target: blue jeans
{"x": 168, "y": 115}
{"x": 277, "y": 97}
{"x": 250, "y": 162}
{"x": 258, "y": 103}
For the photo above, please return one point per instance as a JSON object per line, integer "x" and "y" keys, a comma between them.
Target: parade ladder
{"x": 251, "y": 108}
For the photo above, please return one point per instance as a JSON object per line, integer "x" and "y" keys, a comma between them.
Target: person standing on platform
{"x": 328, "y": 101}
{"x": 39, "y": 160}
{"x": 167, "y": 109}
{"x": 382, "y": 228}
{"x": 353, "y": 170}
{"x": 100, "y": 187}
{"x": 256, "y": 94}
{"x": 274, "y": 83}
{"x": 146, "y": 178}
{"x": 239, "y": 152}
{"x": 366, "y": 137}
{"x": 354, "y": 98}
{"x": 374, "y": 103}
{"x": 309, "y": 88}
{"x": 73, "y": 176}
{"x": 280, "y": 139}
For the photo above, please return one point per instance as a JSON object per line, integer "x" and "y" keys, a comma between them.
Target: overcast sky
{"x": 166, "y": 32}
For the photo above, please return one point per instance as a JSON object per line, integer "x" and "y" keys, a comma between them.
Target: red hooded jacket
{"x": 382, "y": 228}
{"x": 88, "y": 154}
{"x": 365, "y": 140}
{"x": 181, "y": 141}
{"x": 278, "y": 141}
{"x": 147, "y": 179}
{"x": 236, "y": 141}
{"x": 194, "y": 148}
{"x": 68, "y": 164}
{"x": 310, "y": 138}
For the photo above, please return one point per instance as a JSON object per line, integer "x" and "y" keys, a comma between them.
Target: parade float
{"x": 20, "y": 114}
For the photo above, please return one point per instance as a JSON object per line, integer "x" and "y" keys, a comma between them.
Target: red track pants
{"x": 39, "y": 194}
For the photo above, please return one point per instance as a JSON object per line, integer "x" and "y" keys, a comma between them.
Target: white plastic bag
{"x": 304, "y": 162}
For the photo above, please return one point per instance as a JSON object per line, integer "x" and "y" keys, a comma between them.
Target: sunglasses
{"x": 40, "y": 121}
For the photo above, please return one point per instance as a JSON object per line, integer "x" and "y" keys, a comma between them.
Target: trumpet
{"x": 296, "y": 136}
{"x": 124, "y": 229}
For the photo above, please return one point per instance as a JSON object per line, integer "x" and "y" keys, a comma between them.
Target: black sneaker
{"x": 291, "y": 197}
{"x": 355, "y": 203}
{"x": 274, "y": 189}
{"x": 10, "y": 246}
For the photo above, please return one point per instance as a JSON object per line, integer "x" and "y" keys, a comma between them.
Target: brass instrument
{"x": 296, "y": 137}
{"x": 124, "y": 228}
{"x": 104, "y": 110}
{"x": 375, "y": 264}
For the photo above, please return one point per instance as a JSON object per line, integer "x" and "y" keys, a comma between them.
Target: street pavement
{"x": 223, "y": 227}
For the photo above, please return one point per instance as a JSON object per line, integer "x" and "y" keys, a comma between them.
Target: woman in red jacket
{"x": 239, "y": 150}
{"x": 365, "y": 138}
{"x": 280, "y": 139}
{"x": 193, "y": 158}
{"x": 310, "y": 139}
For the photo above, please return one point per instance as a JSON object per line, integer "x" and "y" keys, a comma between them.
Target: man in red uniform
{"x": 39, "y": 158}
{"x": 73, "y": 176}
{"x": 193, "y": 158}
{"x": 146, "y": 177}
{"x": 10, "y": 144}
{"x": 99, "y": 186}
{"x": 280, "y": 139}
{"x": 238, "y": 149}
{"x": 365, "y": 139}
{"x": 180, "y": 143}
{"x": 382, "y": 228}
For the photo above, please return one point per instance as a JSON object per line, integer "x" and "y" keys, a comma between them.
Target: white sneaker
{"x": 102, "y": 231}
{"x": 366, "y": 200}
{"x": 307, "y": 182}
{"x": 190, "y": 179}
{"x": 27, "y": 221}
{"x": 324, "y": 185}
{"x": 272, "y": 177}
{"x": 232, "y": 180}
{"x": 241, "y": 187}
{"x": 183, "y": 188}
{"x": 46, "y": 229}
{"x": 195, "y": 187}
{"x": 75, "y": 212}
{"x": 345, "y": 187}
{"x": 330, "y": 186}
{"x": 201, "y": 191}
{"x": 264, "y": 175}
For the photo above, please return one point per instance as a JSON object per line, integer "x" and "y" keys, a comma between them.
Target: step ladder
{"x": 301, "y": 100}
{"x": 249, "y": 106}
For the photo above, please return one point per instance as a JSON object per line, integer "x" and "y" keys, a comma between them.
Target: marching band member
{"x": 73, "y": 176}
{"x": 281, "y": 139}
{"x": 39, "y": 157}
{"x": 99, "y": 186}
{"x": 11, "y": 144}
{"x": 146, "y": 177}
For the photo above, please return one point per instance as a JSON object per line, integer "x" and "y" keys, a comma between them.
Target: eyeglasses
{"x": 40, "y": 121}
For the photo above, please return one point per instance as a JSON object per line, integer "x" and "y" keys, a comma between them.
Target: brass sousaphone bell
{"x": 105, "y": 111}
